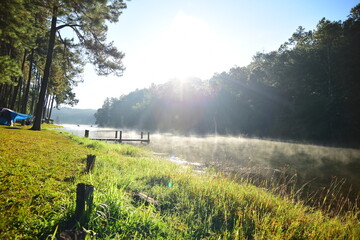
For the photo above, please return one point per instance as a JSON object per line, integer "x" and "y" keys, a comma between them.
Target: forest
{"x": 307, "y": 90}
{"x": 44, "y": 46}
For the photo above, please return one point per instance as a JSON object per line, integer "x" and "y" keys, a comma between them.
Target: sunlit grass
{"x": 34, "y": 167}
{"x": 40, "y": 170}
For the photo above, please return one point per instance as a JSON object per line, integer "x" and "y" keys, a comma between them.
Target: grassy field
{"x": 39, "y": 172}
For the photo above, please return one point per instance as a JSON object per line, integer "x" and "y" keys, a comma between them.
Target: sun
{"x": 186, "y": 48}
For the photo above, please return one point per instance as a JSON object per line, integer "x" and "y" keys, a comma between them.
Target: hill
{"x": 74, "y": 116}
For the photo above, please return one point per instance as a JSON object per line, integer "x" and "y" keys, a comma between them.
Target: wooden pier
{"x": 119, "y": 137}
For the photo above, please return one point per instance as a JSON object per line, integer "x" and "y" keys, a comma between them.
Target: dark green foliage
{"x": 306, "y": 90}
{"x": 9, "y": 69}
{"x": 38, "y": 64}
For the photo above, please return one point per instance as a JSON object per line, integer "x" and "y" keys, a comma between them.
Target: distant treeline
{"x": 309, "y": 89}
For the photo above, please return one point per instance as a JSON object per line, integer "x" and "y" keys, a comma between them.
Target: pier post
{"x": 142, "y": 135}
{"x": 116, "y": 133}
{"x": 86, "y": 133}
{"x": 120, "y": 139}
{"x": 148, "y": 141}
{"x": 90, "y": 162}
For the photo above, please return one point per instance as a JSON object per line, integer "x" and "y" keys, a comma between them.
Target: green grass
{"x": 34, "y": 168}
{"x": 39, "y": 172}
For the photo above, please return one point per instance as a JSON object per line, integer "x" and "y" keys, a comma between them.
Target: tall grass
{"x": 189, "y": 205}
{"x": 333, "y": 199}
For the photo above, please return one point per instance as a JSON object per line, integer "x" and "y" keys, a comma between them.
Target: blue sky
{"x": 166, "y": 39}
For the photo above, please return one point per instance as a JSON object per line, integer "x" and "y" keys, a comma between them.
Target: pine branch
{"x": 67, "y": 25}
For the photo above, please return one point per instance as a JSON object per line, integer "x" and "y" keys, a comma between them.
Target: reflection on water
{"x": 251, "y": 156}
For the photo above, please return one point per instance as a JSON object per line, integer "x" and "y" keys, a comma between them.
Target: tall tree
{"x": 18, "y": 33}
{"x": 88, "y": 20}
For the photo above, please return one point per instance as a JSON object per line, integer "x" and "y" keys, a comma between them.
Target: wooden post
{"x": 116, "y": 134}
{"x": 89, "y": 197}
{"x": 80, "y": 201}
{"x": 148, "y": 138}
{"x": 120, "y": 139}
{"x": 142, "y": 135}
{"x": 84, "y": 200}
{"x": 86, "y": 133}
{"x": 90, "y": 162}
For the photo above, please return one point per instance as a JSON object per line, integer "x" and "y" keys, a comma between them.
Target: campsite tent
{"x": 8, "y": 116}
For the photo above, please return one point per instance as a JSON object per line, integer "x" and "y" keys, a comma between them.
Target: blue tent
{"x": 8, "y": 116}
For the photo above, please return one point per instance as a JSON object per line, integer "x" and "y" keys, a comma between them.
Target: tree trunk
{"x": 26, "y": 93}
{"x": 16, "y": 89}
{"x": 44, "y": 83}
{"x": 51, "y": 106}
{"x": 7, "y": 89}
{"x": 35, "y": 92}
{"x": 2, "y": 87}
{"x": 46, "y": 103}
{"x": 10, "y": 94}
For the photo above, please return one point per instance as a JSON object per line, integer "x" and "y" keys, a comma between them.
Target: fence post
{"x": 148, "y": 141}
{"x": 84, "y": 200}
{"x": 90, "y": 162}
{"x": 120, "y": 139}
{"x": 80, "y": 201}
{"x": 86, "y": 133}
{"x": 142, "y": 135}
{"x": 116, "y": 134}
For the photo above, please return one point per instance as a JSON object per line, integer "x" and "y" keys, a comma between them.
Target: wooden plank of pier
{"x": 120, "y": 139}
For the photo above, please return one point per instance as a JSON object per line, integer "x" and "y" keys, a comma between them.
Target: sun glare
{"x": 185, "y": 48}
